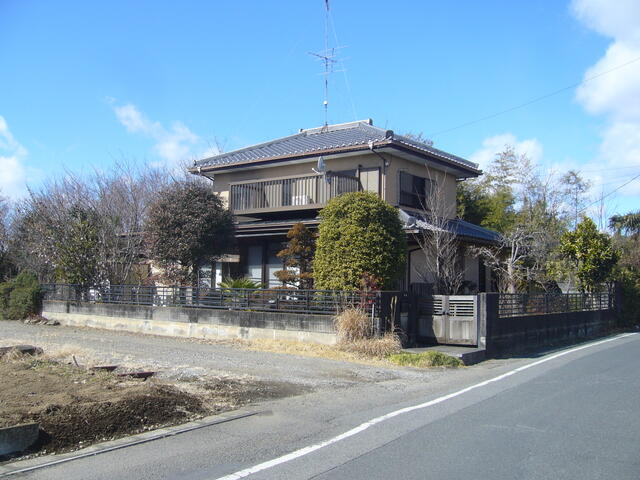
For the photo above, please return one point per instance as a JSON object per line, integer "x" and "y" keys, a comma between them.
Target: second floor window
{"x": 414, "y": 190}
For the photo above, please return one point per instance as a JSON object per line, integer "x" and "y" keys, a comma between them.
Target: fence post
{"x": 491, "y": 318}
{"x": 382, "y": 300}
{"x": 546, "y": 303}
{"x": 481, "y": 320}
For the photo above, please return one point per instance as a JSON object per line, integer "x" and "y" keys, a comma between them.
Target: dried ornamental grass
{"x": 381, "y": 347}
{"x": 353, "y": 324}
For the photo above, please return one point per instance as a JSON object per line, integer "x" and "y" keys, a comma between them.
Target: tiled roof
{"x": 411, "y": 221}
{"x": 459, "y": 227}
{"x": 466, "y": 229}
{"x": 332, "y": 137}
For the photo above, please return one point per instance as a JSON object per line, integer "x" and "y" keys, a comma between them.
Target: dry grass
{"x": 13, "y": 355}
{"x": 308, "y": 349}
{"x": 353, "y": 324}
{"x": 355, "y": 335}
{"x": 355, "y": 342}
{"x": 66, "y": 353}
{"x": 373, "y": 347}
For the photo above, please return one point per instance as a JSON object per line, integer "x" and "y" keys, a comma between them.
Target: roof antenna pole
{"x": 326, "y": 63}
{"x": 328, "y": 58}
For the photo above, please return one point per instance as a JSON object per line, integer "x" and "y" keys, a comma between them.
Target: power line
{"x": 610, "y": 193}
{"x": 534, "y": 100}
{"x": 611, "y": 181}
{"x": 604, "y": 169}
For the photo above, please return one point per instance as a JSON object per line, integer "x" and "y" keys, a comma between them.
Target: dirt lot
{"x": 76, "y": 406}
{"x": 194, "y": 378}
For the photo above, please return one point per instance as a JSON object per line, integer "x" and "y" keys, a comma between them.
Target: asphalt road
{"x": 573, "y": 416}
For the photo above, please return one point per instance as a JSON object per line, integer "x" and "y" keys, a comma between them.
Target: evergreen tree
{"x": 592, "y": 252}
{"x": 187, "y": 225}
{"x": 298, "y": 258}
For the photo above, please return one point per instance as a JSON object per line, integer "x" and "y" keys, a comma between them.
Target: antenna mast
{"x": 328, "y": 58}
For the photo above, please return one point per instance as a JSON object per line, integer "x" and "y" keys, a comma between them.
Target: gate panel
{"x": 448, "y": 319}
{"x": 462, "y": 320}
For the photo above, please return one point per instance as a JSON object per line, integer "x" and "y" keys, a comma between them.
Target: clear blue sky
{"x": 83, "y": 83}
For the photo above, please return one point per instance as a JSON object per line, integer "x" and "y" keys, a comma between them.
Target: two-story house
{"x": 272, "y": 185}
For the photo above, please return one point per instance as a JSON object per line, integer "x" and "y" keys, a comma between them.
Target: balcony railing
{"x": 291, "y": 193}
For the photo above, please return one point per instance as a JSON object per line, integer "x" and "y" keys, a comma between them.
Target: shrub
{"x": 21, "y": 297}
{"x": 359, "y": 234}
{"x": 629, "y": 309}
{"x": 426, "y": 359}
{"x": 242, "y": 282}
{"x": 5, "y": 294}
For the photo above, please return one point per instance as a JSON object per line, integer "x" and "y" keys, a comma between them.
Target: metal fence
{"x": 518, "y": 304}
{"x": 316, "y": 302}
{"x": 290, "y": 192}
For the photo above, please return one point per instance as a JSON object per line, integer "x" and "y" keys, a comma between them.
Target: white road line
{"x": 364, "y": 426}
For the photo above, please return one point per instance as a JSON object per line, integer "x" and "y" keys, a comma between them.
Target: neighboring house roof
{"x": 416, "y": 222}
{"x": 330, "y": 139}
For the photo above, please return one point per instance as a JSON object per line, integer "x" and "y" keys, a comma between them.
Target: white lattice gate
{"x": 450, "y": 319}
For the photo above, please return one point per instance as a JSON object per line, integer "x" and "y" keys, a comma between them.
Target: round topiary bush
{"x": 359, "y": 235}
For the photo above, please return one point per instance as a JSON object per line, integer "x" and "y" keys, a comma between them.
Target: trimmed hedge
{"x": 20, "y": 297}
{"x": 360, "y": 236}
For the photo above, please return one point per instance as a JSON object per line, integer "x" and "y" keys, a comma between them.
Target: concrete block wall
{"x": 504, "y": 335}
{"x": 193, "y": 322}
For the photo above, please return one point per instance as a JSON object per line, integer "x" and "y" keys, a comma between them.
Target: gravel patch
{"x": 184, "y": 359}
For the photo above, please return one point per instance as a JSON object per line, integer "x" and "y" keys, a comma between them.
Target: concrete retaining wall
{"x": 18, "y": 438}
{"x": 193, "y": 322}
{"x": 504, "y": 335}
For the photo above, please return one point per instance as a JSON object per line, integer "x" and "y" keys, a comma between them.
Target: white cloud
{"x": 13, "y": 172}
{"x": 133, "y": 120}
{"x": 616, "y": 94}
{"x": 611, "y": 18}
{"x": 175, "y": 145}
{"x": 491, "y": 146}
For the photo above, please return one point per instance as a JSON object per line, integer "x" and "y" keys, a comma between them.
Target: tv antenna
{"x": 328, "y": 58}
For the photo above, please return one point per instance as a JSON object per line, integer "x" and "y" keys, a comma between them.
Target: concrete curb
{"x": 467, "y": 355}
{"x": 18, "y": 438}
{"x": 24, "y": 466}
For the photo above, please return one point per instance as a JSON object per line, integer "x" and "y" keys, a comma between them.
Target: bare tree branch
{"x": 440, "y": 246}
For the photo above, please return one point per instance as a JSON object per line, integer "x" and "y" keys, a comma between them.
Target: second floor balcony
{"x": 306, "y": 192}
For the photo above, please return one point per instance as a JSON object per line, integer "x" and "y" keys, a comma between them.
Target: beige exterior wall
{"x": 446, "y": 182}
{"x": 389, "y": 181}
